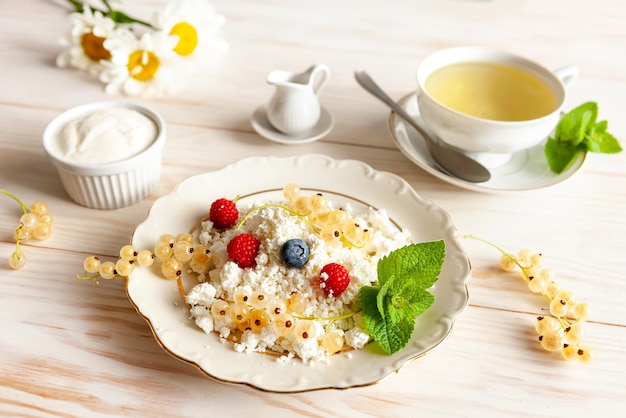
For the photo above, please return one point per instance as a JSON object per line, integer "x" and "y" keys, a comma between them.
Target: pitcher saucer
{"x": 525, "y": 170}
{"x": 263, "y": 127}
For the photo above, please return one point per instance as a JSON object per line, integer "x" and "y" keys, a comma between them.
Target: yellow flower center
{"x": 143, "y": 65}
{"x": 93, "y": 46}
{"x": 187, "y": 38}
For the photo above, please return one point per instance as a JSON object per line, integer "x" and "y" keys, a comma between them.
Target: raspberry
{"x": 243, "y": 250}
{"x": 334, "y": 279}
{"x": 223, "y": 213}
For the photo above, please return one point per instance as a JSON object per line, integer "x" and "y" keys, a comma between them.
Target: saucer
{"x": 525, "y": 170}
{"x": 263, "y": 127}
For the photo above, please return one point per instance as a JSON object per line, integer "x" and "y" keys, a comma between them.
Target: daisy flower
{"x": 145, "y": 66}
{"x": 196, "y": 25}
{"x": 85, "y": 42}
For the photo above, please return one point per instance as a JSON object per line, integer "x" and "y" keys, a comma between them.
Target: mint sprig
{"x": 390, "y": 309}
{"x": 578, "y": 132}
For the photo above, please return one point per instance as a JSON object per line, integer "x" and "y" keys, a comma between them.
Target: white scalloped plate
{"x": 261, "y": 179}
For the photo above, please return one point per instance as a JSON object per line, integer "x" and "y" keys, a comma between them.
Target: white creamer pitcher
{"x": 295, "y": 107}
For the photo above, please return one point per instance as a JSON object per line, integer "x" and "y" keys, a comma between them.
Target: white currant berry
{"x": 163, "y": 250}
{"x": 507, "y": 263}
{"x": 42, "y": 232}
{"x": 107, "y": 270}
{"x": 567, "y": 296}
{"x": 29, "y": 220}
{"x": 171, "y": 268}
{"x": 283, "y": 324}
{"x": 332, "y": 342}
{"x": 127, "y": 252}
{"x": 92, "y": 264}
{"x": 17, "y": 259}
{"x": 220, "y": 308}
{"x": 547, "y": 274}
{"x": 536, "y": 284}
{"x": 183, "y": 250}
{"x": 39, "y": 207}
{"x": 585, "y": 354}
{"x": 305, "y": 330}
{"x": 551, "y": 289}
{"x": 45, "y": 219}
{"x": 145, "y": 258}
{"x": 523, "y": 256}
{"x": 535, "y": 260}
{"x": 575, "y": 333}
{"x": 291, "y": 191}
{"x": 559, "y": 307}
{"x": 185, "y": 236}
{"x": 239, "y": 312}
{"x": 297, "y": 303}
{"x": 276, "y": 307}
{"x": 168, "y": 239}
{"x": 124, "y": 267}
{"x": 545, "y": 324}
{"x": 581, "y": 311}
{"x": 302, "y": 205}
{"x": 551, "y": 340}
{"x": 201, "y": 254}
{"x": 21, "y": 234}
{"x": 259, "y": 299}
{"x": 318, "y": 203}
{"x": 569, "y": 351}
{"x": 259, "y": 319}
{"x": 241, "y": 295}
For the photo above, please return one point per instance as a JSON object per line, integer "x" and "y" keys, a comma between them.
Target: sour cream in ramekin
{"x": 108, "y": 154}
{"x": 105, "y": 136}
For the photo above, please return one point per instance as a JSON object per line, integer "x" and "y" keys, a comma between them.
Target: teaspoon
{"x": 448, "y": 159}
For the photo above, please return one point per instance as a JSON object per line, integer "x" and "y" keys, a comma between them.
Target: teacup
{"x": 515, "y": 103}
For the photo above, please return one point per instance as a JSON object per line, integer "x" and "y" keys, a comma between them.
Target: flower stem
{"x": 116, "y": 15}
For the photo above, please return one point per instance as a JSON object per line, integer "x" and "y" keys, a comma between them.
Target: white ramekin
{"x": 109, "y": 185}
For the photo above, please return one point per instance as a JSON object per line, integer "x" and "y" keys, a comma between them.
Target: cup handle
{"x": 319, "y": 77}
{"x": 567, "y": 75}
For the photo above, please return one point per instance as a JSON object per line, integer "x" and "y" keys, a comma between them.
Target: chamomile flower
{"x": 196, "y": 25}
{"x": 145, "y": 66}
{"x": 84, "y": 43}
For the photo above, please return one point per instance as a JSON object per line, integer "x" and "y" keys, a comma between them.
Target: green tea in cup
{"x": 491, "y": 90}
{"x": 490, "y": 103}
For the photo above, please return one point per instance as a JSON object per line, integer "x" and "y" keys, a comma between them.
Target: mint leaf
{"x": 602, "y": 142}
{"x": 422, "y": 261}
{"x": 390, "y": 336}
{"x": 571, "y": 129}
{"x": 389, "y": 310}
{"x": 599, "y": 127}
{"x": 421, "y": 301}
{"x": 393, "y": 299}
{"x": 367, "y": 297}
{"x": 578, "y": 132}
{"x": 560, "y": 156}
{"x": 403, "y": 298}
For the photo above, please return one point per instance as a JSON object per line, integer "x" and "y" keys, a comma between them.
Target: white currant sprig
{"x": 563, "y": 330}
{"x": 35, "y": 223}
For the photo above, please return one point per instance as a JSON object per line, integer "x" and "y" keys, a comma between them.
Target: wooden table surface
{"x": 74, "y": 349}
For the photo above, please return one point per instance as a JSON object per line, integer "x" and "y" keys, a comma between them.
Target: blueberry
{"x": 294, "y": 253}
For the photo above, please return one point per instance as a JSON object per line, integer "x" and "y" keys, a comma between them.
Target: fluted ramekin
{"x": 108, "y": 185}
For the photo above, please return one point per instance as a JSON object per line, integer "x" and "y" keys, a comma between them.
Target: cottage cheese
{"x": 272, "y": 226}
